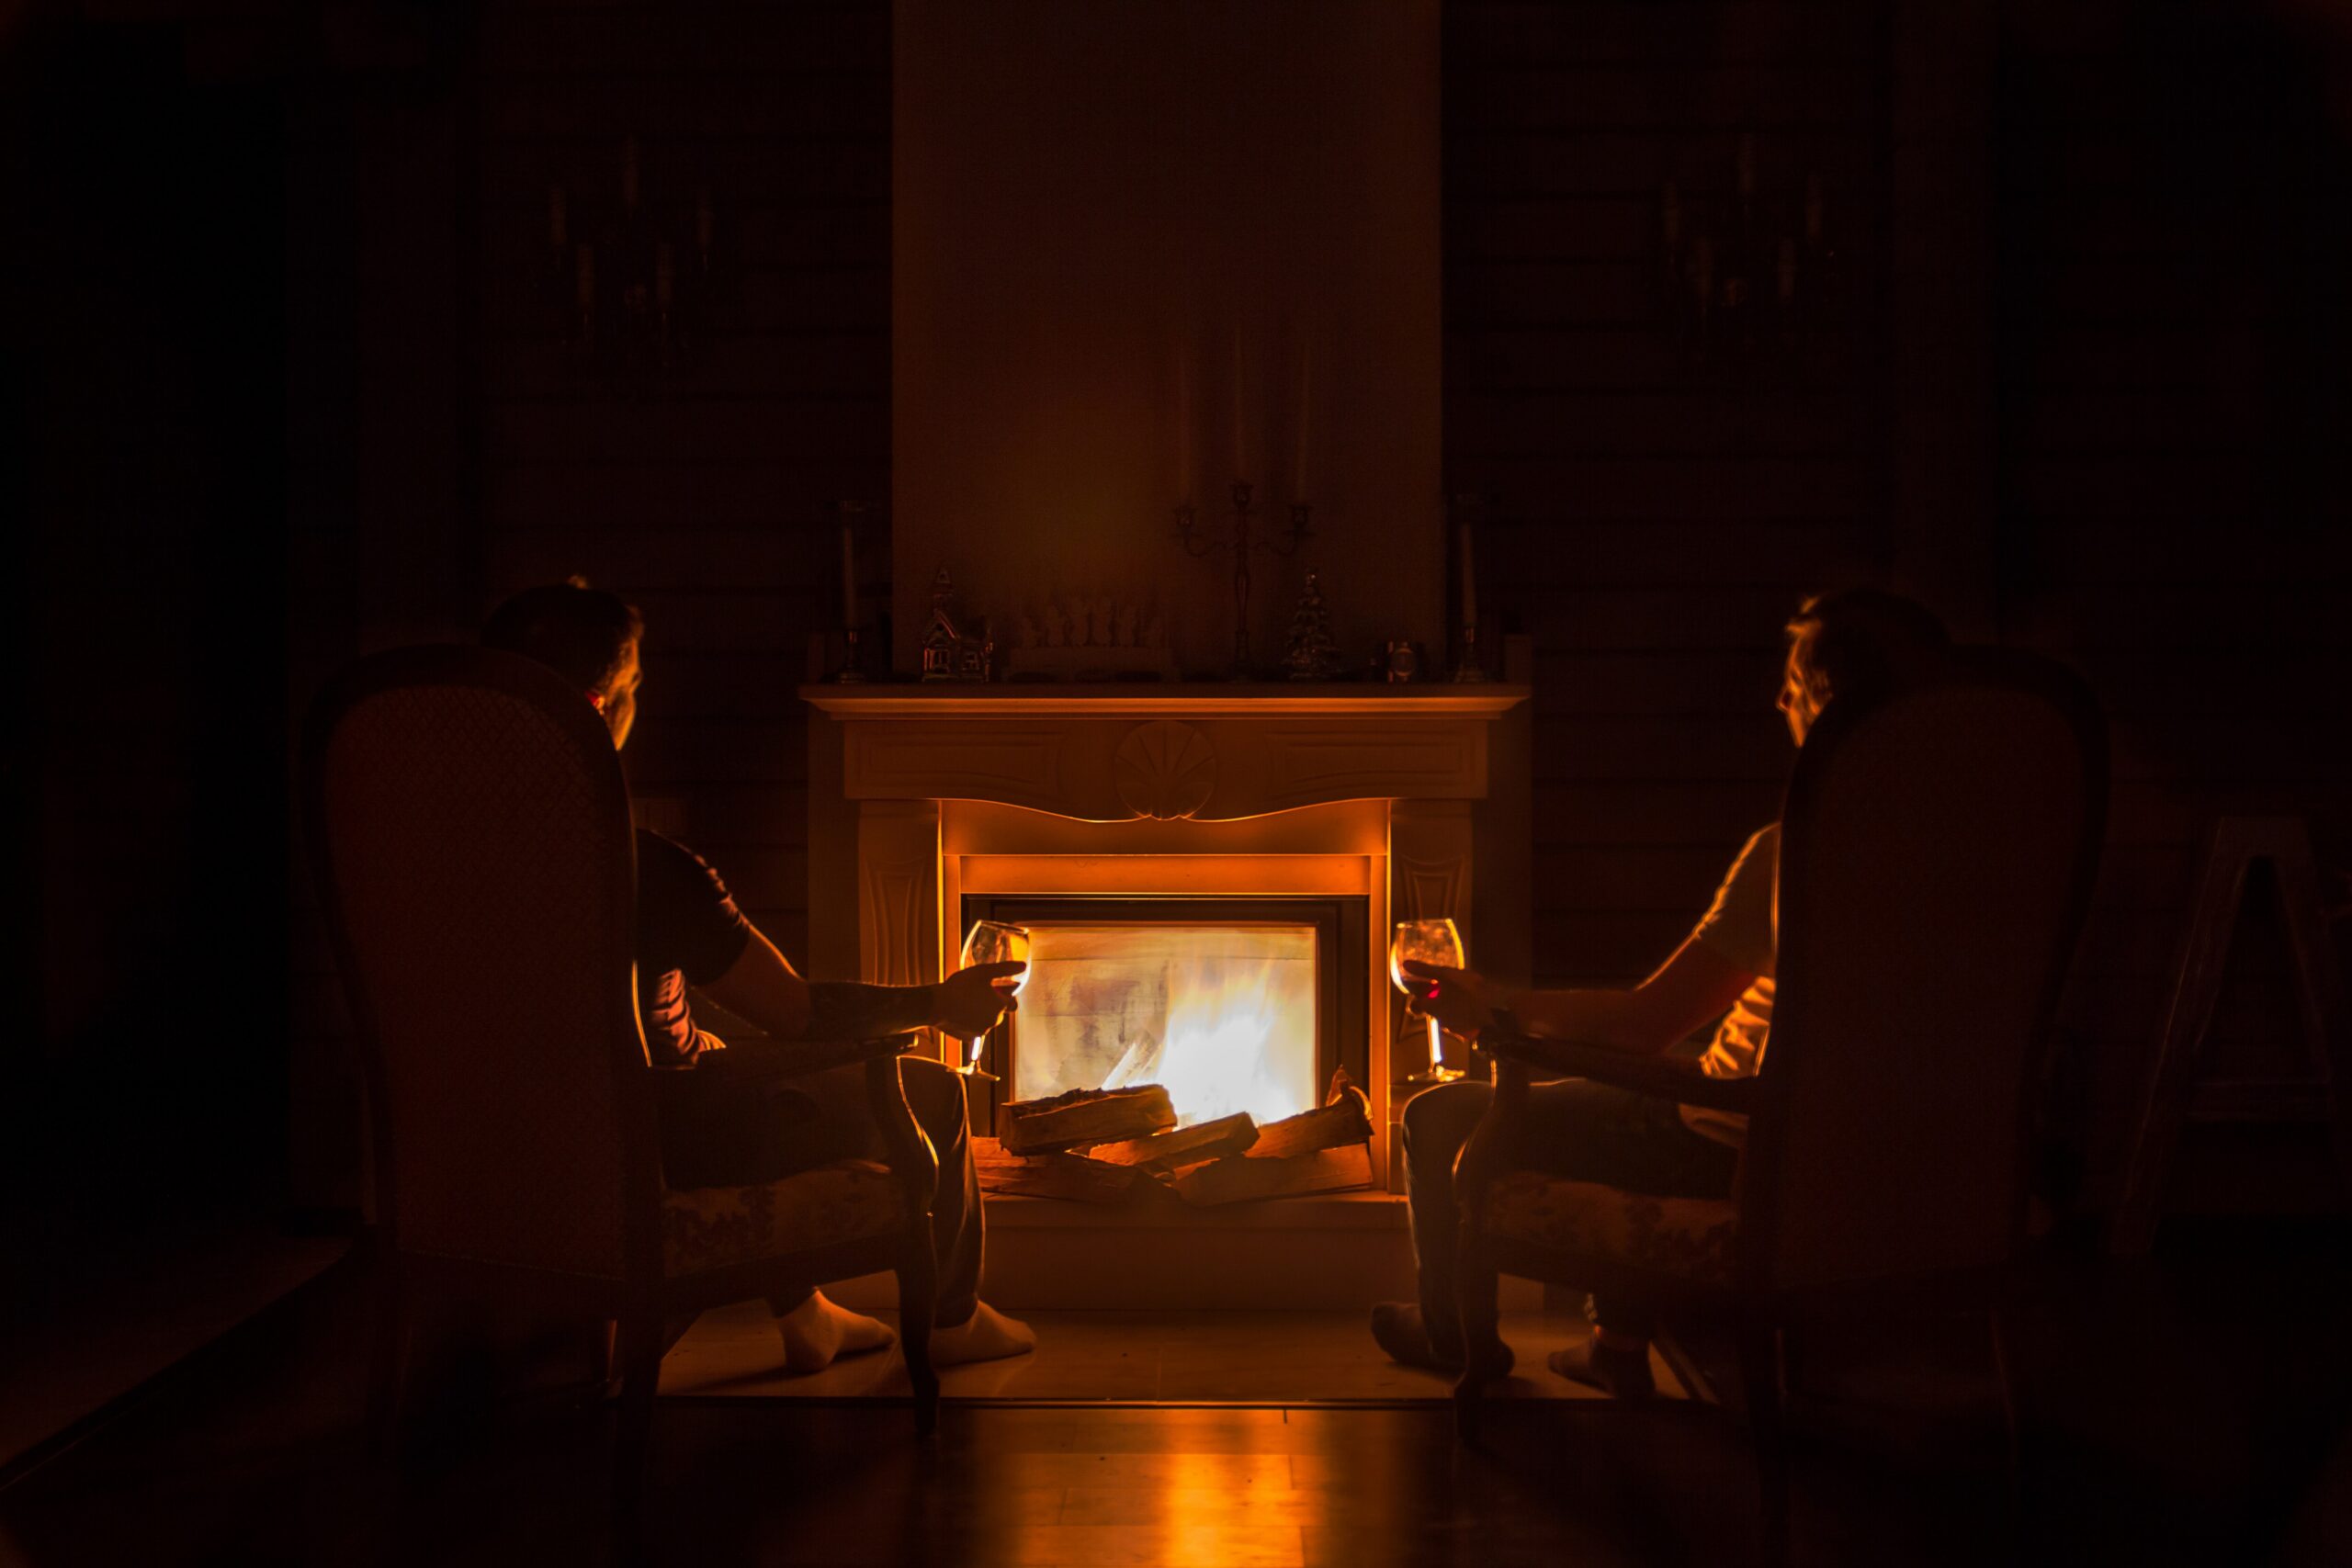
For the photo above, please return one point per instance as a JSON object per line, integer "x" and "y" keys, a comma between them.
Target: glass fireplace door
{"x": 1231, "y": 1005}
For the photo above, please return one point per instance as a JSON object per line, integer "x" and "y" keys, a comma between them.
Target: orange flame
{"x": 1238, "y": 1038}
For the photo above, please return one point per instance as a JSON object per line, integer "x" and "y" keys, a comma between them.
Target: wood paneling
{"x": 1652, "y": 525}
{"x": 710, "y": 500}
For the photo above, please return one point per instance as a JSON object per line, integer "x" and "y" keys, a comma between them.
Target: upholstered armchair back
{"x": 1936, "y": 856}
{"x": 473, "y": 840}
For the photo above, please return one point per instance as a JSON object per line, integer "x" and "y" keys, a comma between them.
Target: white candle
{"x": 1240, "y": 454}
{"x": 1183, "y": 421}
{"x": 849, "y": 570}
{"x": 1469, "y": 581}
{"x": 1306, "y": 402}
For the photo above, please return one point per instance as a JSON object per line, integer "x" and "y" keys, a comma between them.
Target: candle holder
{"x": 1240, "y": 542}
{"x": 853, "y": 666}
{"x": 631, "y": 275}
{"x": 1469, "y": 669}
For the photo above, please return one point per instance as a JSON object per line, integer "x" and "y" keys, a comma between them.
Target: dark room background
{"x": 294, "y": 376}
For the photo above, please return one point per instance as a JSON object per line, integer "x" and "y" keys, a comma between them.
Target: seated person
{"x": 726, "y": 1131}
{"x": 1859, "y": 645}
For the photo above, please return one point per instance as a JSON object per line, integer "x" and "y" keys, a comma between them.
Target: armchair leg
{"x": 1759, "y": 1376}
{"x": 2011, "y": 1427}
{"x": 387, "y": 1355}
{"x": 640, "y": 1335}
{"x": 1477, "y": 1304}
{"x": 918, "y": 1300}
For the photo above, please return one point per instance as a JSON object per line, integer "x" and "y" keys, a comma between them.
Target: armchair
{"x": 477, "y": 866}
{"x": 1937, "y": 855}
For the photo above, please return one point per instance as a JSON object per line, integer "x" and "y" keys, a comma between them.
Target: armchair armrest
{"x": 1657, "y": 1077}
{"x": 767, "y": 1060}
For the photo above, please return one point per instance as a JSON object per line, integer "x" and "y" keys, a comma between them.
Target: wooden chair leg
{"x": 2003, "y": 1372}
{"x": 640, "y": 1335}
{"x": 918, "y": 1274}
{"x": 1759, "y": 1376}
{"x": 387, "y": 1355}
{"x": 1476, "y": 1302}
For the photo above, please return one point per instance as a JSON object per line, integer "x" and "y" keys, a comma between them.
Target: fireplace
{"x": 1232, "y": 1004}
{"x": 1274, "y": 830}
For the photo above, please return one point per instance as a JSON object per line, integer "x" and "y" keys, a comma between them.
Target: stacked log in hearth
{"x": 1122, "y": 1145}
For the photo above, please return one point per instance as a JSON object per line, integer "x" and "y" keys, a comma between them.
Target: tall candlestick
{"x": 1306, "y": 402}
{"x": 849, "y": 569}
{"x": 1241, "y": 418}
{"x": 1469, "y": 581}
{"x": 1183, "y": 421}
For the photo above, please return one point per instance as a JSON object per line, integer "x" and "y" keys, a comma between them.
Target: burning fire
{"x": 1221, "y": 1016}
{"x": 1219, "y": 1053}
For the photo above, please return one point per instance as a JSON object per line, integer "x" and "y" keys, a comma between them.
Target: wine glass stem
{"x": 1437, "y": 1047}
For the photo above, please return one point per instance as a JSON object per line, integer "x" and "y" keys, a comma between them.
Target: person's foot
{"x": 986, "y": 1336}
{"x": 817, "y": 1331}
{"x": 1399, "y": 1327}
{"x": 1615, "y": 1370}
{"x": 1400, "y": 1330}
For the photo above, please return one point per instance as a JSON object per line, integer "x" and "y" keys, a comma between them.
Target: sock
{"x": 986, "y": 1336}
{"x": 817, "y": 1331}
{"x": 1598, "y": 1364}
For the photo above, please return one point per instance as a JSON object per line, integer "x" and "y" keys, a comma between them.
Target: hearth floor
{"x": 1240, "y": 1358}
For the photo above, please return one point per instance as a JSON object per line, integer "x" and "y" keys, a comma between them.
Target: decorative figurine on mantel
{"x": 1312, "y": 653}
{"x": 1090, "y": 637}
{"x": 953, "y": 648}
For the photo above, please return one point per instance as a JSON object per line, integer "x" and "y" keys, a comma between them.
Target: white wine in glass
{"x": 993, "y": 942}
{"x": 1426, "y": 942}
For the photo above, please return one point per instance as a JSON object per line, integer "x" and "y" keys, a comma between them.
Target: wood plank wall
{"x": 1650, "y": 520}
{"x": 709, "y": 499}
{"x": 2167, "y": 506}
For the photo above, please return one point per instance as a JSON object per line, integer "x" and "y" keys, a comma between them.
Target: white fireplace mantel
{"x": 926, "y": 792}
{"x": 1206, "y": 753}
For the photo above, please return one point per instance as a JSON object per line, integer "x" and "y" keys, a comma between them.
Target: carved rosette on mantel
{"x": 1355, "y": 790}
{"x": 1164, "y": 769}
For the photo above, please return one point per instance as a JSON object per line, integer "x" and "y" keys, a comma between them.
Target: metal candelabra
{"x": 1241, "y": 544}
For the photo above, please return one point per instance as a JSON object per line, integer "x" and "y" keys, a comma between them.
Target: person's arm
{"x": 762, "y": 987}
{"x": 1695, "y": 985}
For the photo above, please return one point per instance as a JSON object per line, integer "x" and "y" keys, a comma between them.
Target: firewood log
{"x": 1186, "y": 1145}
{"x": 1085, "y": 1116}
{"x": 1245, "y": 1179}
{"x": 1072, "y": 1177}
{"x": 1346, "y": 1119}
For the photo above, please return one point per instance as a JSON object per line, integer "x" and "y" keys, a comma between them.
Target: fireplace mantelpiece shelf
{"x": 1166, "y": 699}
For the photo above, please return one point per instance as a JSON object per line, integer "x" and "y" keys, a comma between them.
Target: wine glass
{"x": 994, "y": 942}
{"x": 1426, "y": 942}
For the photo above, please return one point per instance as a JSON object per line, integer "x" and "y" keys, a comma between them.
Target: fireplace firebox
{"x": 1234, "y": 1004}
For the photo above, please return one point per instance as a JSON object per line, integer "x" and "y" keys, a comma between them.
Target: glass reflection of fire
{"x": 1222, "y": 1016}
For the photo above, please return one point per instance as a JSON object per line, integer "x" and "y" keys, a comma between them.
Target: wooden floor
{"x": 2140, "y": 1449}
{"x": 1255, "y": 1358}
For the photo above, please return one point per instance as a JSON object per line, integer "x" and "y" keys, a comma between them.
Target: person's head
{"x": 583, "y": 633}
{"x": 1861, "y": 646}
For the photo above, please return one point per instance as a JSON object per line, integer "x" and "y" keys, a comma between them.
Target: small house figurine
{"x": 953, "y": 648}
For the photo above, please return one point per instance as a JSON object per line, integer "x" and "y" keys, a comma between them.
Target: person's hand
{"x": 970, "y": 1002}
{"x": 1462, "y": 999}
